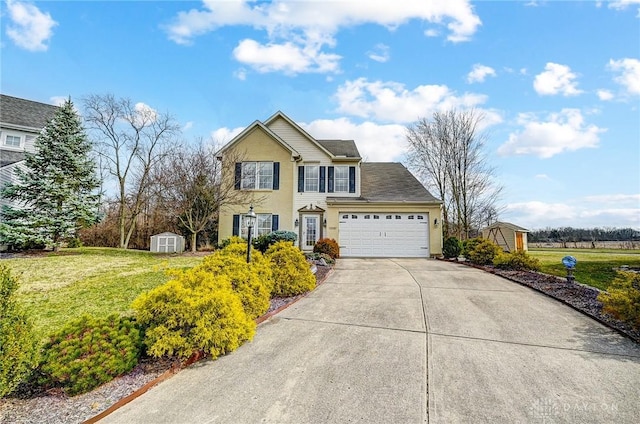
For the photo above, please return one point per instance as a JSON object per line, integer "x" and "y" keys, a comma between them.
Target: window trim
{"x": 344, "y": 180}
{"x": 257, "y": 231}
{"x": 21, "y": 138}
{"x": 257, "y": 180}
{"x": 311, "y": 179}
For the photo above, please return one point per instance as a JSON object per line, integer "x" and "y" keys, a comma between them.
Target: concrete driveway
{"x": 410, "y": 341}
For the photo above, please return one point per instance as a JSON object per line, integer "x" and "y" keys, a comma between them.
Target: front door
{"x": 310, "y": 231}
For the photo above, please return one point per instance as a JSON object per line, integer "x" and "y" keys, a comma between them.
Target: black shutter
{"x": 276, "y": 175}
{"x": 274, "y": 222}
{"x": 352, "y": 179}
{"x": 300, "y": 179}
{"x": 321, "y": 185}
{"x": 238, "y": 175}
{"x": 236, "y": 225}
{"x": 330, "y": 179}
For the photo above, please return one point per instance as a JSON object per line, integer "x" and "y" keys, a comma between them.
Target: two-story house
{"x": 21, "y": 121}
{"x": 322, "y": 188}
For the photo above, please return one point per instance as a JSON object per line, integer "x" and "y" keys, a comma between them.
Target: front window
{"x": 257, "y": 175}
{"x": 262, "y": 225}
{"x": 341, "y": 179}
{"x": 12, "y": 140}
{"x": 311, "y": 177}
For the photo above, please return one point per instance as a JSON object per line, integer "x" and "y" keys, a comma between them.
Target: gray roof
{"x": 388, "y": 182}
{"x": 9, "y": 156}
{"x": 25, "y": 113}
{"x": 341, "y": 147}
{"x": 507, "y": 225}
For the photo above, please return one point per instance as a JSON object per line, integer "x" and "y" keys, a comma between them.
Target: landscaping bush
{"x": 317, "y": 256}
{"x": 327, "y": 246}
{"x": 291, "y": 272}
{"x": 195, "y": 311}
{"x": 88, "y": 352}
{"x": 519, "y": 260}
{"x": 469, "y": 244}
{"x": 263, "y": 242}
{"x": 483, "y": 252}
{"x": 623, "y": 298}
{"x": 451, "y": 248}
{"x": 232, "y": 240}
{"x": 18, "y": 346}
{"x": 252, "y": 282}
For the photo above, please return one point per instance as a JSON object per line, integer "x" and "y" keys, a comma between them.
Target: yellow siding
{"x": 259, "y": 146}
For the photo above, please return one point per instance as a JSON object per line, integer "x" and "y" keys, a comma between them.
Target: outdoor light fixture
{"x": 435, "y": 222}
{"x": 296, "y": 223}
{"x": 250, "y": 222}
{"x": 325, "y": 222}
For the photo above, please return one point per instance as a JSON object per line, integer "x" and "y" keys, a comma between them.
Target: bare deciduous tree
{"x": 447, "y": 152}
{"x": 192, "y": 190}
{"x": 132, "y": 139}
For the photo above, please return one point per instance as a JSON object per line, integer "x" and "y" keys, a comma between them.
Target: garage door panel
{"x": 390, "y": 235}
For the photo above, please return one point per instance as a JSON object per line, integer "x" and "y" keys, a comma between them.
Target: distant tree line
{"x": 570, "y": 234}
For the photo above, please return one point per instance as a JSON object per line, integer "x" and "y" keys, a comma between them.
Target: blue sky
{"x": 557, "y": 81}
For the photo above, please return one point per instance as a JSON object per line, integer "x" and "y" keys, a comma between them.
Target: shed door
{"x": 519, "y": 242}
{"x": 167, "y": 244}
{"x": 384, "y": 234}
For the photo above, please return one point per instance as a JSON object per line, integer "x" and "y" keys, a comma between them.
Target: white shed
{"x": 167, "y": 243}
{"x": 509, "y": 236}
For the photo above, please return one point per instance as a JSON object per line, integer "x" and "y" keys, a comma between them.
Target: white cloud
{"x": 479, "y": 73}
{"x": 628, "y": 74}
{"x": 380, "y": 53}
{"x": 393, "y": 102}
{"x": 288, "y": 57}
{"x": 622, "y": 4}
{"x": 586, "y": 212}
{"x": 523, "y": 71}
{"x": 542, "y": 177}
{"x": 376, "y": 143}
{"x": 605, "y": 95}
{"x": 617, "y": 199}
{"x": 144, "y": 114}
{"x": 432, "y": 32}
{"x": 58, "y": 100}
{"x": 241, "y": 74}
{"x": 556, "y": 79}
{"x": 224, "y": 135}
{"x": 306, "y": 28}
{"x": 565, "y": 131}
{"x": 187, "y": 126}
{"x": 29, "y": 28}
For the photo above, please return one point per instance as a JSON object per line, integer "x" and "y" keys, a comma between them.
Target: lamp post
{"x": 250, "y": 221}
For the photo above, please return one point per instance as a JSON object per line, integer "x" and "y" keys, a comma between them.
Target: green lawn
{"x": 57, "y": 287}
{"x": 595, "y": 266}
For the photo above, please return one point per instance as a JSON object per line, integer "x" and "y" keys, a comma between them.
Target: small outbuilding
{"x": 509, "y": 236}
{"x": 167, "y": 243}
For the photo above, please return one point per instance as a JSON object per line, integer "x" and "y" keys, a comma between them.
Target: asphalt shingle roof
{"x": 25, "y": 113}
{"x": 391, "y": 181}
{"x": 341, "y": 147}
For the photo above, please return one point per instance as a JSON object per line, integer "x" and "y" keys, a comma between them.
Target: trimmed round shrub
{"x": 327, "y": 246}
{"x": 88, "y": 352}
{"x": 263, "y": 242}
{"x": 469, "y": 244}
{"x": 291, "y": 272}
{"x": 18, "y": 347}
{"x": 517, "y": 261}
{"x": 194, "y": 312}
{"x": 451, "y": 248}
{"x": 252, "y": 282}
{"x": 232, "y": 240}
{"x": 483, "y": 252}
{"x": 622, "y": 298}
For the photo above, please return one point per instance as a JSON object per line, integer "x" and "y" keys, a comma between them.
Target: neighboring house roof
{"x": 388, "y": 182}
{"x": 22, "y": 113}
{"x": 346, "y": 148}
{"x": 9, "y": 157}
{"x": 506, "y": 225}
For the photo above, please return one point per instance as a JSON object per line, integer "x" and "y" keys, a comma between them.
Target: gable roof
{"x": 246, "y": 131}
{"x": 298, "y": 128}
{"x": 346, "y": 148}
{"x": 506, "y": 225}
{"x": 16, "y": 112}
{"x": 9, "y": 157}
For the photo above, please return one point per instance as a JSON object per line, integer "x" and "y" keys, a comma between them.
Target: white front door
{"x": 310, "y": 231}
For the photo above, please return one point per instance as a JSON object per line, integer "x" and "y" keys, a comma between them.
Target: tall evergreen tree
{"x": 56, "y": 189}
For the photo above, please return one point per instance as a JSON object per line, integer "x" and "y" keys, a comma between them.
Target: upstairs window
{"x": 311, "y": 178}
{"x": 341, "y": 179}
{"x": 257, "y": 175}
{"x": 12, "y": 140}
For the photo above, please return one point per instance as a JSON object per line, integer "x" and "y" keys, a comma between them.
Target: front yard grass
{"x": 56, "y": 287}
{"x": 595, "y": 266}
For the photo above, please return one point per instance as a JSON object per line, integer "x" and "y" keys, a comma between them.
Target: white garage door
{"x": 384, "y": 234}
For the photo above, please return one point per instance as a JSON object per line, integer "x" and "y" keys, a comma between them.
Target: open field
{"x": 595, "y": 266}
{"x": 56, "y": 287}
